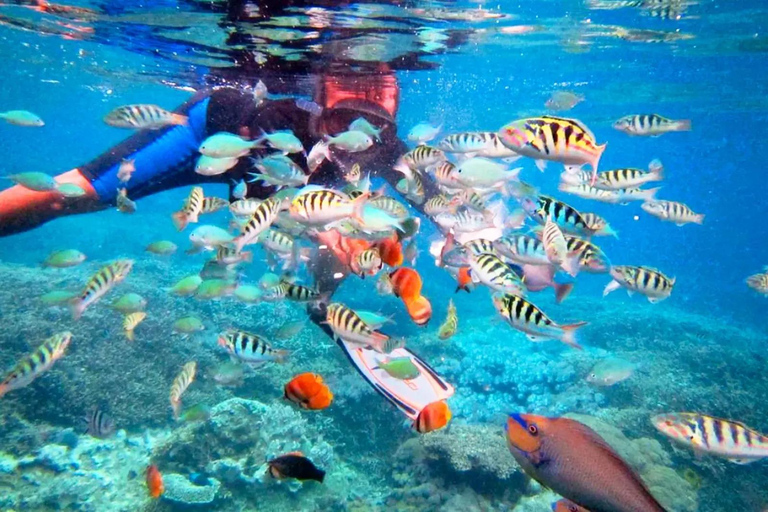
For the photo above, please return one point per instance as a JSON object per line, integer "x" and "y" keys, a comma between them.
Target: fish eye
{"x": 533, "y": 429}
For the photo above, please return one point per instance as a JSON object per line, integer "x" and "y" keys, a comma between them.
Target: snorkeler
{"x": 164, "y": 159}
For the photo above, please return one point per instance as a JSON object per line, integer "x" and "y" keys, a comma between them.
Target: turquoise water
{"x": 701, "y": 350}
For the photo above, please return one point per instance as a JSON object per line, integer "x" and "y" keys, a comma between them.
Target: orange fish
{"x": 420, "y": 309}
{"x": 574, "y": 461}
{"x": 309, "y": 391}
{"x": 567, "y": 506}
{"x": 463, "y": 279}
{"x": 406, "y": 283}
{"x": 155, "y": 482}
{"x": 432, "y": 417}
{"x": 391, "y": 251}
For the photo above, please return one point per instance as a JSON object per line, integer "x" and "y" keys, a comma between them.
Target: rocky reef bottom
{"x": 373, "y": 458}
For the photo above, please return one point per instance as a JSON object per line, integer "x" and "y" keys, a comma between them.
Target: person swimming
{"x": 164, "y": 159}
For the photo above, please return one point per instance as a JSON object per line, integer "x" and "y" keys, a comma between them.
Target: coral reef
{"x": 83, "y": 474}
{"x": 179, "y": 489}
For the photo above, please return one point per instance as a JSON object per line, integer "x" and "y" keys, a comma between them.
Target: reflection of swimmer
{"x": 164, "y": 159}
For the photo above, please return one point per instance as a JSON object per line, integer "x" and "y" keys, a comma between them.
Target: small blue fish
{"x": 240, "y": 189}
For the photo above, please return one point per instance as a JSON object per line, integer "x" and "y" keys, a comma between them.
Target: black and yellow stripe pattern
{"x": 246, "y": 345}
{"x": 345, "y": 321}
{"x": 390, "y": 205}
{"x": 213, "y": 204}
{"x": 480, "y": 246}
{"x": 299, "y": 293}
{"x": 466, "y": 142}
{"x": 423, "y": 156}
{"x": 646, "y": 280}
{"x": 105, "y": 278}
{"x": 309, "y": 205}
{"x": 523, "y": 313}
{"x": 496, "y": 272}
{"x": 261, "y": 219}
{"x": 552, "y": 136}
{"x": 36, "y": 363}
{"x": 139, "y": 116}
{"x": 565, "y": 216}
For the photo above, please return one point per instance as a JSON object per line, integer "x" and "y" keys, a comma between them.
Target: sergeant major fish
{"x": 651, "y": 125}
{"x": 672, "y": 211}
{"x": 648, "y": 281}
{"x": 36, "y": 363}
{"x": 526, "y": 317}
{"x": 191, "y": 209}
{"x": 348, "y": 326}
{"x": 143, "y": 117}
{"x": 250, "y": 348}
{"x": 99, "y": 284}
{"x": 180, "y": 385}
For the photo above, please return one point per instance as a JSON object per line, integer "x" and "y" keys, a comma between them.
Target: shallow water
{"x": 700, "y": 350}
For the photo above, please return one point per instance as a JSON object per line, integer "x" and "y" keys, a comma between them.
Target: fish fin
{"x": 357, "y": 207}
{"x": 562, "y": 291}
{"x": 541, "y": 165}
{"x": 699, "y": 218}
{"x": 571, "y": 265}
{"x": 180, "y": 220}
{"x": 569, "y": 334}
{"x": 656, "y": 167}
{"x": 611, "y": 287}
{"x": 740, "y": 460}
{"x": 129, "y": 335}
{"x": 77, "y": 308}
{"x": 179, "y": 119}
{"x": 649, "y": 194}
{"x": 683, "y": 125}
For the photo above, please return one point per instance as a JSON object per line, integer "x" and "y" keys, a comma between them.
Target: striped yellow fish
{"x": 759, "y": 283}
{"x": 443, "y": 173}
{"x": 143, "y": 117}
{"x": 724, "y": 438}
{"x": 227, "y": 255}
{"x": 480, "y": 246}
{"x": 99, "y": 284}
{"x": 623, "y": 196}
{"x": 451, "y": 323}
{"x": 36, "y": 363}
{"x": 491, "y": 271}
{"x": 191, "y": 210}
{"x": 367, "y": 262}
{"x": 319, "y": 207}
{"x": 563, "y": 140}
{"x": 422, "y": 157}
{"x": 648, "y": 281}
{"x": 651, "y": 125}
{"x": 440, "y": 204}
{"x": 261, "y": 219}
{"x": 617, "y": 179}
{"x": 299, "y": 293}
{"x": 485, "y": 144}
{"x": 180, "y": 385}
{"x": 131, "y": 321}
{"x": 250, "y": 348}
{"x": 390, "y": 205}
{"x": 470, "y": 199}
{"x": 590, "y": 257}
{"x": 598, "y": 225}
{"x": 567, "y": 218}
{"x": 672, "y": 211}
{"x": 213, "y": 204}
{"x": 556, "y": 248}
{"x": 347, "y": 325}
{"x": 244, "y": 207}
{"x": 526, "y": 317}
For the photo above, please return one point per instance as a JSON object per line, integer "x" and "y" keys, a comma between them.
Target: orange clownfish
{"x": 420, "y": 309}
{"x": 308, "y": 391}
{"x": 433, "y": 417}
{"x": 391, "y": 251}
{"x": 155, "y": 482}
{"x": 406, "y": 283}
